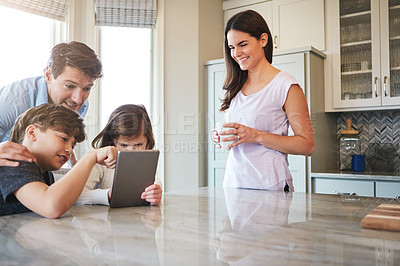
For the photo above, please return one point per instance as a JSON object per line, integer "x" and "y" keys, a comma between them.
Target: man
{"x": 68, "y": 78}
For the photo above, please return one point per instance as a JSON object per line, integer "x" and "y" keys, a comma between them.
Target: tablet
{"x": 135, "y": 170}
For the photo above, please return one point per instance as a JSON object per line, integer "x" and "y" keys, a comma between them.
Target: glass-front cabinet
{"x": 369, "y": 40}
{"x": 394, "y": 48}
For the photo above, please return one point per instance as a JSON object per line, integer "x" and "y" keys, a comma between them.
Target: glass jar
{"x": 349, "y": 144}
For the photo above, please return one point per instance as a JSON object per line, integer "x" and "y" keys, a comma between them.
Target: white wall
{"x": 193, "y": 34}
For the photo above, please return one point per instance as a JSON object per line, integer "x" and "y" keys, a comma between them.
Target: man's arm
{"x": 14, "y": 151}
{"x": 10, "y": 108}
{"x": 53, "y": 201}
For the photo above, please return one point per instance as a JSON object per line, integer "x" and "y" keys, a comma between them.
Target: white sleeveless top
{"x": 252, "y": 165}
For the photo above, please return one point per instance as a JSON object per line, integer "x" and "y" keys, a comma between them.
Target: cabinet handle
{"x": 376, "y": 87}
{"x": 344, "y": 193}
{"x": 384, "y": 85}
{"x": 276, "y": 42}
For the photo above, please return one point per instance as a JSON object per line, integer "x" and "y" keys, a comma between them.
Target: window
{"x": 26, "y": 41}
{"x": 126, "y": 57}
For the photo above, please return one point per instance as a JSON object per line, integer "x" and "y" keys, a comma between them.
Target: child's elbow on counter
{"x": 53, "y": 211}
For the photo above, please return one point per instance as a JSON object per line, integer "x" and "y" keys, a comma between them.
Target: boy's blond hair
{"x": 49, "y": 116}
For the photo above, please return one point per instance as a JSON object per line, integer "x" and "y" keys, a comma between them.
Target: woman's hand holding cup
{"x": 220, "y": 139}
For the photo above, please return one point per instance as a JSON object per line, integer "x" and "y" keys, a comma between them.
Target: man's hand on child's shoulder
{"x": 14, "y": 151}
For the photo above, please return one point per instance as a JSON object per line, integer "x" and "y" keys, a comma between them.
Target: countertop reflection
{"x": 206, "y": 227}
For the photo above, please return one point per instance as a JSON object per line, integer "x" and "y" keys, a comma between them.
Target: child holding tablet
{"x": 128, "y": 129}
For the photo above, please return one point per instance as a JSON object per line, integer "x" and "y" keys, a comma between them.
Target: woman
{"x": 260, "y": 103}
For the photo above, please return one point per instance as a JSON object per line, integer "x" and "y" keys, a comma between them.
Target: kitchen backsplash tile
{"x": 374, "y": 127}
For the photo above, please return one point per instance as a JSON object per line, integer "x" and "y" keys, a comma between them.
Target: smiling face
{"x": 131, "y": 143}
{"x": 51, "y": 148}
{"x": 70, "y": 89}
{"x": 245, "y": 49}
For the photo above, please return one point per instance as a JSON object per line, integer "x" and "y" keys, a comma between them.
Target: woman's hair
{"x": 77, "y": 55}
{"x": 49, "y": 116}
{"x": 254, "y": 24}
{"x": 129, "y": 120}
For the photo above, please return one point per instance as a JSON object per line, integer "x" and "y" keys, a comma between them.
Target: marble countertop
{"x": 206, "y": 227}
{"x": 372, "y": 176}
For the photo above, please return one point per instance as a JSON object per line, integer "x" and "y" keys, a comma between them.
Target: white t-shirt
{"x": 252, "y": 165}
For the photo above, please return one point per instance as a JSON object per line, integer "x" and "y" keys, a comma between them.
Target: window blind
{"x": 126, "y": 13}
{"x": 54, "y": 9}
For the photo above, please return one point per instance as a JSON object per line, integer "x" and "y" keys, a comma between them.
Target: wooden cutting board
{"x": 383, "y": 217}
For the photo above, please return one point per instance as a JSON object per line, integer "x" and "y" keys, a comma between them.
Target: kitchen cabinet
{"x": 298, "y": 23}
{"x": 359, "y": 186}
{"x": 263, "y": 8}
{"x": 387, "y": 189}
{"x": 306, "y": 65}
{"x": 345, "y": 187}
{"x": 365, "y": 62}
{"x": 293, "y": 23}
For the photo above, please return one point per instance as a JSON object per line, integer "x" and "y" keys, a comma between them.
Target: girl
{"x": 262, "y": 101}
{"x": 128, "y": 129}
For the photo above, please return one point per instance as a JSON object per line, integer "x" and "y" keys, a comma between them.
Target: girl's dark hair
{"x": 128, "y": 120}
{"x": 254, "y": 24}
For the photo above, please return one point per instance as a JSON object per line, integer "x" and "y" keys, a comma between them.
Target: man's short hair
{"x": 49, "y": 116}
{"x": 77, "y": 55}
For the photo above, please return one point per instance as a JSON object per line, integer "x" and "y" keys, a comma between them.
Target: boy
{"x": 49, "y": 132}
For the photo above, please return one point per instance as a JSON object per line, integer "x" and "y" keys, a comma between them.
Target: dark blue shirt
{"x": 13, "y": 178}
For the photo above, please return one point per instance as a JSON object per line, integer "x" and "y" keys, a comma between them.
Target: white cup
{"x": 216, "y": 132}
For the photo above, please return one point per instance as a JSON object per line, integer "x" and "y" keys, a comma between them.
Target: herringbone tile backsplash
{"x": 374, "y": 127}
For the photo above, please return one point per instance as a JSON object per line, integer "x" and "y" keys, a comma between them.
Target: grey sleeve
{"x": 13, "y": 178}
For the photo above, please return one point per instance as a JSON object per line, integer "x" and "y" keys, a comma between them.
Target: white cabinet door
{"x": 388, "y": 189}
{"x": 298, "y": 23}
{"x": 216, "y": 158}
{"x": 264, "y": 9}
{"x": 339, "y": 186}
{"x": 294, "y": 64}
{"x": 293, "y": 23}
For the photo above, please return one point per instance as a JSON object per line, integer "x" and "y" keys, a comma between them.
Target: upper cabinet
{"x": 264, "y": 9}
{"x": 298, "y": 23}
{"x": 293, "y": 23}
{"x": 364, "y": 60}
